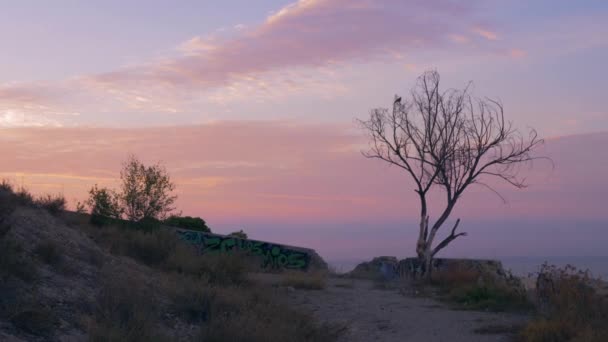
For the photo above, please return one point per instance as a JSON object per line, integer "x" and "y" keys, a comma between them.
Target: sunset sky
{"x": 251, "y": 105}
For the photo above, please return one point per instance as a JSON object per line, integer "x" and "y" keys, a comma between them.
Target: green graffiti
{"x": 272, "y": 255}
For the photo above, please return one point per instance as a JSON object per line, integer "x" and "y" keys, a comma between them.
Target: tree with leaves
{"x": 448, "y": 140}
{"x": 146, "y": 190}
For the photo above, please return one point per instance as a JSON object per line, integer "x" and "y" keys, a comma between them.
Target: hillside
{"x": 65, "y": 280}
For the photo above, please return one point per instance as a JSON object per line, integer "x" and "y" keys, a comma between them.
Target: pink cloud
{"x": 310, "y": 33}
{"x": 283, "y": 171}
{"x": 485, "y": 33}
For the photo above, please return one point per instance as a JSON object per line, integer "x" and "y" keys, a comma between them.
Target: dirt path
{"x": 386, "y": 315}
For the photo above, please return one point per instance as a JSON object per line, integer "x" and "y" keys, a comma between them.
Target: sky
{"x": 251, "y": 105}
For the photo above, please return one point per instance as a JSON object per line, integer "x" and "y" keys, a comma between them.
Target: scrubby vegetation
{"x": 140, "y": 285}
{"x": 571, "y": 308}
{"x": 470, "y": 289}
{"x": 187, "y": 222}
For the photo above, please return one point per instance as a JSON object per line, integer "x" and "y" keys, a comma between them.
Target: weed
{"x": 53, "y": 204}
{"x": 124, "y": 311}
{"x": 571, "y": 309}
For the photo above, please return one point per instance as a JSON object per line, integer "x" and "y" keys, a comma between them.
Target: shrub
{"x": 471, "y": 289}
{"x": 152, "y": 248}
{"x": 81, "y": 208}
{"x": 571, "y": 309}
{"x": 24, "y": 197}
{"x": 8, "y": 203}
{"x": 147, "y": 224}
{"x": 192, "y": 298}
{"x": 124, "y": 311}
{"x": 256, "y": 315}
{"x": 104, "y": 204}
{"x": 188, "y": 222}
{"x": 223, "y": 269}
{"x": 493, "y": 297}
{"x": 53, "y": 204}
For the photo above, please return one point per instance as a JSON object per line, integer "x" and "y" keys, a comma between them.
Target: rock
{"x": 383, "y": 267}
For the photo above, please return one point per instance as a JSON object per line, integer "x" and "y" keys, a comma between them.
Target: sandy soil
{"x": 371, "y": 314}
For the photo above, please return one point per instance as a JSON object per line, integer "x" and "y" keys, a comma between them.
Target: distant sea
{"x": 520, "y": 266}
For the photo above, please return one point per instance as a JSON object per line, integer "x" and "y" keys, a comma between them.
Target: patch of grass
{"x": 151, "y": 248}
{"x": 162, "y": 249}
{"x": 454, "y": 277}
{"x": 256, "y": 315}
{"x": 492, "y": 297}
{"x": 470, "y": 289}
{"x": 124, "y": 311}
{"x": 191, "y": 298}
{"x": 305, "y": 280}
{"x": 49, "y": 252}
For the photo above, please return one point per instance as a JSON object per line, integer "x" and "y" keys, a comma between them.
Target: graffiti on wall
{"x": 272, "y": 255}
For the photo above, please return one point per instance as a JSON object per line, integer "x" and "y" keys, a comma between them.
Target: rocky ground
{"x": 368, "y": 313}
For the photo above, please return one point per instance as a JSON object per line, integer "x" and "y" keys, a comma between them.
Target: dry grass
{"x": 53, "y": 204}
{"x": 125, "y": 311}
{"x": 256, "y": 315}
{"x": 571, "y": 310}
{"x": 180, "y": 295}
{"x": 305, "y": 280}
{"x": 469, "y": 289}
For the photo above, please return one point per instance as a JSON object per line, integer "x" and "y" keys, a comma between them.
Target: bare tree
{"x": 451, "y": 140}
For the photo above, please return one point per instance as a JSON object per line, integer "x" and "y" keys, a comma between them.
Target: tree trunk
{"x": 423, "y": 249}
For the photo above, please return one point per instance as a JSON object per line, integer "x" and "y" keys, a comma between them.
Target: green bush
{"x": 188, "y": 222}
{"x": 104, "y": 204}
{"x": 147, "y": 224}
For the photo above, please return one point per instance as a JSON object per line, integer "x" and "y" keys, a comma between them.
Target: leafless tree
{"x": 451, "y": 140}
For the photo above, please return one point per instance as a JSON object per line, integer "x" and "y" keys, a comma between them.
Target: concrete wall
{"x": 271, "y": 256}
